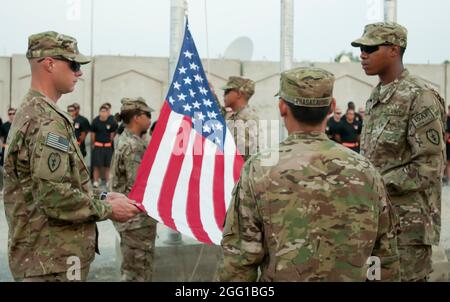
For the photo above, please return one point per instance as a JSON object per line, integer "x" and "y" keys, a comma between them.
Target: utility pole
{"x": 287, "y": 44}
{"x": 178, "y": 10}
{"x": 390, "y": 10}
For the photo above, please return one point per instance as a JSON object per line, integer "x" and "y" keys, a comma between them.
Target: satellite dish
{"x": 240, "y": 49}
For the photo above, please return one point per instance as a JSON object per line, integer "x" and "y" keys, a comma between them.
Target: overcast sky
{"x": 323, "y": 28}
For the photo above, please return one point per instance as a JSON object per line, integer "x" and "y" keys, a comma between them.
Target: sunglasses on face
{"x": 11, "y": 113}
{"x": 371, "y": 49}
{"x": 227, "y": 91}
{"x": 74, "y": 66}
{"x": 148, "y": 114}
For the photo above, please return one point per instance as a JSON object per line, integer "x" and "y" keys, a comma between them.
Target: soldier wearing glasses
{"x": 403, "y": 136}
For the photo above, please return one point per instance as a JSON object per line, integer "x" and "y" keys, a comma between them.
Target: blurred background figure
{"x": 103, "y": 130}
{"x": 81, "y": 125}
{"x": 349, "y": 131}
{"x": 333, "y": 124}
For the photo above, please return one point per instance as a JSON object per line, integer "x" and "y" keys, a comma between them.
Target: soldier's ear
{"x": 282, "y": 106}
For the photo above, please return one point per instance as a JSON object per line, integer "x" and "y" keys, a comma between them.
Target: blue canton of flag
{"x": 190, "y": 94}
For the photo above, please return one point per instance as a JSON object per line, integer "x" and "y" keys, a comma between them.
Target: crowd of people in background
{"x": 346, "y": 129}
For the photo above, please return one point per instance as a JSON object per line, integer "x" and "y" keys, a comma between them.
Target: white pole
{"x": 287, "y": 34}
{"x": 390, "y": 10}
{"x": 177, "y": 12}
{"x": 287, "y": 44}
{"x": 92, "y": 28}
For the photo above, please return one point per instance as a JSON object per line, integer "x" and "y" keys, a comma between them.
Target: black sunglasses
{"x": 74, "y": 66}
{"x": 371, "y": 49}
{"x": 11, "y": 113}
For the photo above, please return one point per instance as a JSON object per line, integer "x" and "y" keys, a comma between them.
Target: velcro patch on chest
{"x": 57, "y": 142}
{"x": 423, "y": 118}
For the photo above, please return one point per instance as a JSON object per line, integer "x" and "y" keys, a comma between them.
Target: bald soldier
{"x": 320, "y": 212}
{"x": 137, "y": 236}
{"x": 50, "y": 209}
{"x": 403, "y": 136}
{"x": 243, "y": 121}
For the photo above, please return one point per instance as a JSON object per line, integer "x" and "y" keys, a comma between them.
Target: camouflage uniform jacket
{"x": 403, "y": 136}
{"x": 315, "y": 216}
{"x": 244, "y": 127}
{"x": 124, "y": 167}
{"x": 49, "y": 207}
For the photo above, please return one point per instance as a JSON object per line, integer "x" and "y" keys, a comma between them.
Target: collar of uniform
{"x": 386, "y": 96}
{"x": 130, "y": 134}
{"x": 316, "y": 135}
{"x": 51, "y": 103}
{"x": 239, "y": 111}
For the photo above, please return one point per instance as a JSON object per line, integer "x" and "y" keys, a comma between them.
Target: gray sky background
{"x": 323, "y": 28}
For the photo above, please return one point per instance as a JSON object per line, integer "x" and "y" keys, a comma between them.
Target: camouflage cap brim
{"x": 79, "y": 58}
{"x": 367, "y": 42}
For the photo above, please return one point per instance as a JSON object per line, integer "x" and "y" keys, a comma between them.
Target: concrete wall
{"x": 5, "y": 86}
{"x": 109, "y": 78}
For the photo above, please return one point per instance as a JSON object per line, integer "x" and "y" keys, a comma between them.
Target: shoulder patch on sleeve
{"x": 57, "y": 142}
{"x": 423, "y": 118}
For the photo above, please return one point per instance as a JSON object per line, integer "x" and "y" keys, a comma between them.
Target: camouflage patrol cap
{"x": 383, "y": 33}
{"x": 52, "y": 44}
{"x": 135, "y": 103}
{"x": 307, "y": 87}
{"x": 247, "y": 86}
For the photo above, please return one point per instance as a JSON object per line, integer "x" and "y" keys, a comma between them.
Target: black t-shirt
{"x": 4, "y": 130}
{"x": 332, "y": 128}
{"x": 103, "y": 130}
{"x": 349, "y": 132}
{"x": 81, "y": 124}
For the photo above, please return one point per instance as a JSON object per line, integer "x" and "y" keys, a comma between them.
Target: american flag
{"x": 188, "y": 173}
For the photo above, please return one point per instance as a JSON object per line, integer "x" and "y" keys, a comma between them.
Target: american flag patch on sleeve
{"x": 57, "y": 142}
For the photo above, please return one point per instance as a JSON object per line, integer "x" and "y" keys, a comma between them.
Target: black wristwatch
{"x": 103, "y": 195}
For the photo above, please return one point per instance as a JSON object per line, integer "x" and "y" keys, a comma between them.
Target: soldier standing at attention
{"x": 137, "y": 235}
{"x": 403, "y": 136}
{"x": 244, "y": 121}
{"x": 50, "y": 209}
{"x": 320, "y": 212}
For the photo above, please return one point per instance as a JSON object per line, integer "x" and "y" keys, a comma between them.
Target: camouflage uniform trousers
{"x": 59, "y": 277}
{"x": 415, "y": 262}
{"x": 138, "y": 249}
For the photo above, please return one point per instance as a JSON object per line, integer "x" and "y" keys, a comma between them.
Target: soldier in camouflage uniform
{"x": 320, "y": 212}
{"x": 50, "y": 209}
{"x": 403, "y": 136}
{"x": 138, "y": 234}
{"x": 243, "y": 121}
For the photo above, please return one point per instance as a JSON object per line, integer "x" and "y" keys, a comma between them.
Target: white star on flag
{"x": 198, "y": 78}
{"x": 196, "y": 105}
{"x": 181, "y": 97}
{"x": 193, "y": 66}
{"x": 192, "y": 93}
{"x": 187, "y": 54}
{"x": 187, "y": 107}
{"x": 203, "y": 91}
{"x": 176, "y": 85}
{"x": 182, "y": 70}
{"x": 207, "y": 103}
{"x": 187, "y": 81}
